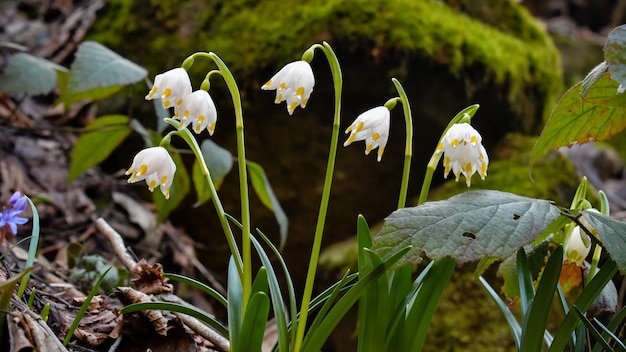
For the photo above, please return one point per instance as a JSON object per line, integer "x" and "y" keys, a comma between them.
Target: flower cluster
{"x": 10, "y": 216}
{"x": 155, "y": 165}
{"x": 197, "y": 108}
{"x": 463, "y": 152}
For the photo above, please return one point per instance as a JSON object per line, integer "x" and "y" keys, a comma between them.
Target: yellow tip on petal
{"x": 474, "y": 140}
{"x": 142, "y": 169}
{"x": 454, "y": 143}
{"x": 375, "y": 136}
{"x": 166, "y": 104}
{"x": 200, "y": 118}
{"x": 152, "y": 185}
{"x": 380, "y": 153}
{"x": 164, "y": 180}
{"x": 279, "y": 98}
{"x": 351, "y": 139}
{"x": 359, "y": 127}
{"x": 304, "y": 102}
{"x": 179, "y": 102}
{"x": 468, "y": 180}
{"x": 167, "y": 193}
{"x": 299, "y": 92}
{"x": 483, "y": 170}
{"x": 212, "y": 128}
{"x": 293, "y": 106}
{"x": 349, "y": 129}
{"x": 166, "y": 93}
{"x": 186, "y": 115}
{"x": 197, "y": 128}
{"x": 439, "y": 148}
{"x": 267, "y": 84}
{"x": 282, "y": 85}
{"x": 369, "y": 148}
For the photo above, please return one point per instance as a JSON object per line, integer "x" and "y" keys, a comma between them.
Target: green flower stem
{"x": 466, "y": 113}
{"x": 246, "y": 247}
{"x": 321, "y": 219}
{"x": 186, "y": 135}
{"x": 408, "y": 150}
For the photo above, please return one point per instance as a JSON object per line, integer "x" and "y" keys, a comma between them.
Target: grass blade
{"x": 199, "y": 285}
{"x": 32, "y": 249}
{"x": 516, "y": 329}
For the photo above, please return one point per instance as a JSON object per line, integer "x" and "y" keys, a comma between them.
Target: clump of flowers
{"x": 463, "y": 153}
{"x": 10, "y": 216}
{"x": 155, "y": 165}
{"x": 293, "y": 83}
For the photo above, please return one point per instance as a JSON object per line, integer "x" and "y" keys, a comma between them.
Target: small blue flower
{"x": 10, "y": 215}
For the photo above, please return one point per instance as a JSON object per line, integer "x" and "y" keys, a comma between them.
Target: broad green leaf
{"x": 101, "y": 137}
{"x": 180, "y": 188}
{"x": 574, "y": 121}
{"x": 219, "y": 161}
{"x": 263, "y": 189}
{"x": 604, "y": 93}
{"x": 615, "y": 54}
{"x": 466, "y": 227}
{"x": 30, "y": 75}
{"x": 98, "y": 72}
{"x": 612, "y": 232}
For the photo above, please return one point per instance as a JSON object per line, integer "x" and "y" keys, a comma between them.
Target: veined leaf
{"x": 98, "y": 72}
{"x": 263, "y": 189}
{"x": 604, "y": 93}
{"x": 27, "y": 74}
{"x": 613, "y": 235}
{"x": 102, "y": 136}
{"x": 219, "y": 161}
{"x": 575, "y": 121}
{"x": 592, "y": 77}
{"x": 466, "y": 227}
{"x": 615, "y": 54}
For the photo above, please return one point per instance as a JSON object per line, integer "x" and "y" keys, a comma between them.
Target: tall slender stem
{"x": 321, "y": 218}
{"x": 408, "y": 150}
{"x": 185, "y": 134}
{"x": 246, "y": 247}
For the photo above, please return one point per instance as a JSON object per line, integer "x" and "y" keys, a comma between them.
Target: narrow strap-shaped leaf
{"x": 423, "y": 309}
{"x": 260, "y": 283}
{"x": 277, "y": 299}
{"x": 525, "y": 279}
{"x": 613, "y": 325}
{"x": 328, "y": 303}
{"x": 179, "y": 308}
{"x": 32, "y": 248}
{"x": 374, "y": 307}
{"x": 516, "y": 329}
{"x": 235, "y": 305}
{"x": 399, "y": 314}
{"x": 592, "y": 329}
{"x": 536, "y": 318}
{"x": 583, "y": 302}
{"x": 315, "y": 339}
{"x": 199, "y": 285}
{"x": 605, "y": 330}
{"x": 253, "y": 327}
{"x": 565, "y": 307}
{"x": 364, "y": 239}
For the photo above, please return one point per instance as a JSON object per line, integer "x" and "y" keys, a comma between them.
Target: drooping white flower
{"x": 373, "y": 127}
{"x": 171, "y": 87}
{"x": 463, "y": 153}
{"x": 199, "y": 110}
{"x": 293, "y": 83}
{"x": 155, "y": 165}
{"x": 577, "y": 247}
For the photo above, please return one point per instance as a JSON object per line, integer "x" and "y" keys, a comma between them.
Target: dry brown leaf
{"x": 150, "y": 279}
{"x": 128, "y": 296}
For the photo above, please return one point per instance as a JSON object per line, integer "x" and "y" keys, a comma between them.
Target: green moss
{"x": 504, "y": 45}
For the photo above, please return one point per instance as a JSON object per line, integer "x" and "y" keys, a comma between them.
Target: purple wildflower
{"x": 10, "y": 215}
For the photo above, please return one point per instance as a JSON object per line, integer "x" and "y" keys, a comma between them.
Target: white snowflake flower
{"x": 199, "y": 110}
{"x": 463, "y": 153}
{"x": 171, "y": 87}
{"x": 577, "y": 247}
{"x": 293, "y": 83}
{"x": 373, "y": 127}
{"x": 155, "y": 165}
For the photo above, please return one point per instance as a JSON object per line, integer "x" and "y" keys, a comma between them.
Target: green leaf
{"x": 235, "y": 305}
{"x": 615, "y": 54}
{"x": 592, "y": 77}
{"x": 219, "y": 161}
{"x": 525, "y": 280}
{"x": 516, "y": 329}
{"x": 30, "y": 75}
{"x": 612, "y": 232}
{"x": 592, "y": 329}
{"x": 536, "y": 319}
{"x": 573, "y": 121}
{"x": 180, "y": 188}
{"x": 98, "y": 72}
{"x": 179, "y": 308}
{"x": 199, "y": 285}
{"x": 466, "y": 227}
{"x": 604, "y": 93}
{"x": 254, "y": 322}
{"x": 101, "y": 137}
{"x": 264, "y": 190}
